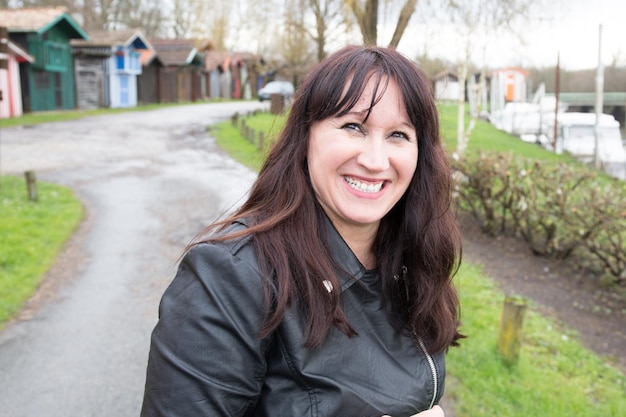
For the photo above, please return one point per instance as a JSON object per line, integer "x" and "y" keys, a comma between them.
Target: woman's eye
{"x": 400, "y": 135}
{"x": 355, "y": 127}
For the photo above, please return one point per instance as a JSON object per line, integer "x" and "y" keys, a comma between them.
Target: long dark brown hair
{"x": 419, "y": 235}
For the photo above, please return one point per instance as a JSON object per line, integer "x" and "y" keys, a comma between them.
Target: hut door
{"x": 124, "y": 97}
{"x": 58, "y": 91}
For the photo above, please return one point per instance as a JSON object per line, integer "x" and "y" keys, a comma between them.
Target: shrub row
{"x": 560, "y": 210}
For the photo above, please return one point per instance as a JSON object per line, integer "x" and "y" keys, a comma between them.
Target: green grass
{"x": 63, "y": 115}
{"x": 229, "y": 138}
{"x": 269, "y": 123}
{"x": 31, "y": 236}
{"x": 486, "y": 137}
{"x": 556, "y": 376}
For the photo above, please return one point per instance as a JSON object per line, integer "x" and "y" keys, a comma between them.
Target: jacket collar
{"x": 351, "y": 268}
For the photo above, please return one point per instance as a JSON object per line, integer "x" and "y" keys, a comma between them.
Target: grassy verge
{"x": 63, "y": 115}
{"x": 229, "y": 138}
{"x": 556, "y": 376}
{"x": 486, "y": 137}
{"x": 31, "y": 236}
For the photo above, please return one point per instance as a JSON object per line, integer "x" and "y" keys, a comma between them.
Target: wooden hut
{"x": 45, "y": 33}
{"x": 232, "y": 75}
{"x": 148, "y": 80}
{"x": 107, "y": 67}
{"x": 180, "y": 78}
{"x": 10, "y": 84}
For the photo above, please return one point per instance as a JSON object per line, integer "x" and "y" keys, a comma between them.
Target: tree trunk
{"x": 371, "y": 20}
{"x": 461, "y": 143}
{"x": 367, "y": 18}
{"x": 403, "y": 21}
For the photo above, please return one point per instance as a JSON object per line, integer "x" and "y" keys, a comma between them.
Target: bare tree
{"x": 73, "y": 6}
{"x": 367, "y": 16}
{"x": 185, "y": 16}
{"x": 202, "y": 19}
{"x": 41, "y": 3}
{"x": 403, "y": 21}
{"x": 131, "y": 14}
{"x": 474, "y": 22}
{"x": 617, "y": 57}
{"x": 294, "y": 43}
{"x": 327, "y": 19}
{"x": 92, "y": 15}
{"x": 146, "y": 15}
{"x": 253, "y": 25}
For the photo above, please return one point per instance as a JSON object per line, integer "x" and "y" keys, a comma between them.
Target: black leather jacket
{"x": 206, "y": 359}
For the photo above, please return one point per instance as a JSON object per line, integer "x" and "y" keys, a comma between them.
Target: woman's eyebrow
{"x": 353, "y": 112}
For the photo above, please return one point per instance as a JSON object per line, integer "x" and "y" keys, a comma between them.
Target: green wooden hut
{"x": 45, "y": 32}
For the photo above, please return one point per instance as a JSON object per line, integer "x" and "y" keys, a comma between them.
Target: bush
{"x": 560, "y": 210}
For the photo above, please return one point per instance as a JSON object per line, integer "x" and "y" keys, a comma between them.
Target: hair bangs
{"x": 339, "y": 90}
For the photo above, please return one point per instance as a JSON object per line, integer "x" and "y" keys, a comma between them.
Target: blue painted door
{"x": 124, "y": 87}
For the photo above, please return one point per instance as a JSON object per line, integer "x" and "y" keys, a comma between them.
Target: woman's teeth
{"x": 363, "y": 187}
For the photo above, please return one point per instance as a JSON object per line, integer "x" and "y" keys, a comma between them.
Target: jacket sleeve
{"x": 205, "y": 356}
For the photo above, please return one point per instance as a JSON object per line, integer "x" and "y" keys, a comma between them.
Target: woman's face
{"x": 359, "y": 170}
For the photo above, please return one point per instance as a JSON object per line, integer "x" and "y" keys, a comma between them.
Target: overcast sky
{"x": 576, "y": 35}
{"x": 571, "y": 32}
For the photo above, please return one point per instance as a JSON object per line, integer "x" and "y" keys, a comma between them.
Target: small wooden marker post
{"x": 510, "y": 338}
{"x": 277, "y": 103}
{"x": 251, "y": 135}
{"x": 31, "y": 185}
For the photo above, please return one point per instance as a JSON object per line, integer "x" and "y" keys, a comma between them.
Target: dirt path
{"x": 560, "y": 290}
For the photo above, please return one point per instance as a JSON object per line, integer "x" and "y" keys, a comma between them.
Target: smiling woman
{"x": 361, "y": 164}
{"x": 331, "y": 285}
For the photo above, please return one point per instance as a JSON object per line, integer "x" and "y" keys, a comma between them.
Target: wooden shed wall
{"x": 148, "y": 85}
{"x": 89, "y": 72}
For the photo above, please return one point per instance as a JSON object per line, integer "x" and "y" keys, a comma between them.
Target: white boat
{"x": 577, "y": 135}
{"x": 526, "y": 119}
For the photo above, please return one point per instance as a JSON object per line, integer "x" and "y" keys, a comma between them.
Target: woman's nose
{"x": 373, "y": 155}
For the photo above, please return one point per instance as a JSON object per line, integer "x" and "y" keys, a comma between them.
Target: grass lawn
{"x": 61, "y": 115}
{"x": 555, "y": 376}
{"x": 486, "y": 137}
{"x": 31, "y": 236}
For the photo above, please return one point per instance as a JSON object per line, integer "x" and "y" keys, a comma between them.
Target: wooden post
{"x": 261, "y": 140}
{"x": 31, "y": 185}
{"x": 243, "y": 128}
{"x": 234, "y": 119}
{"x": 277, "y": 103}
{"x": 251, "y": 135}
{"x": 510, "y": 338}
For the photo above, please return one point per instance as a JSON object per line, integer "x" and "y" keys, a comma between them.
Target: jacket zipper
{"x": 431, "y": 362}
{"x": 433, "y": 370}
